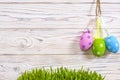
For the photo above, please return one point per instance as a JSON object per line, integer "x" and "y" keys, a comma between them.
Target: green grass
{"x": 61, "y": 73}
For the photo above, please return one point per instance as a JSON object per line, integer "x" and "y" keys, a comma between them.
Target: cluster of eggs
{"x": 99, "y": 45}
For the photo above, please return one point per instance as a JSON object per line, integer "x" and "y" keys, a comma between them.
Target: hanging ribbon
{"x": 98, "y": 21}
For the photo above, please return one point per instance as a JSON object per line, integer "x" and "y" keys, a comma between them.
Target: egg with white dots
{"x": 112, "y": 44}
{"x": 98, "y": 47}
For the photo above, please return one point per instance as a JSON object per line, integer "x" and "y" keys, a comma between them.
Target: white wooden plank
{"x": 68, "y": 1}
{"x": 52, "y": 39}
{"x": 13, "y": 65}
{"x": 55, "y": 16}
{"x": 29, "y": 41}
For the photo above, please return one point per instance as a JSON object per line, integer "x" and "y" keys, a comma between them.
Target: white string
{"x": 103, "y": 23}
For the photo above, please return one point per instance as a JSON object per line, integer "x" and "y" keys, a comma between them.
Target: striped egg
{"x": 86, "y": 40}
{"x": 112, "y": 44}
{"x": 98, "y": 47}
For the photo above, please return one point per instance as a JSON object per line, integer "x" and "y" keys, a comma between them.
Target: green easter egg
{"x": 98, "y": 47}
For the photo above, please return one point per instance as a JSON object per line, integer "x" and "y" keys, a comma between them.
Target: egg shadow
{"x": 89, "y": 54}
{"x": 107, "y": 53}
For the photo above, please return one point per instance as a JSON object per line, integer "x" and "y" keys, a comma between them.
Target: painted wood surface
{"x": 43, "y": 33}
{"x": 69, "y": 1}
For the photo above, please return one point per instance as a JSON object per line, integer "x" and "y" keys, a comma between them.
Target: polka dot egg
{"x": 98, "y": 48}
{"x": 86, "y": 40}
{"x": 112, "y": 44}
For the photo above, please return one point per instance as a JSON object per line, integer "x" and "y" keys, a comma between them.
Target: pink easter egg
{"x": 86, "y": 40}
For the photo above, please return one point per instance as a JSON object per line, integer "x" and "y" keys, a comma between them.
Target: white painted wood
{"x": 13, "y": 65}
{"x": 55, "y": 15}
{"x": 68, "y": 1}
{"x": 37, "y": 33}
{"x": 37, "y": 41}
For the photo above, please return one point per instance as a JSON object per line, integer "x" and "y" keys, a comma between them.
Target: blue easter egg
{"x": 112, "y": 44}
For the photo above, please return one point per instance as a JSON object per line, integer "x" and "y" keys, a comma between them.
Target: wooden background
{"x": 37, "y": 33}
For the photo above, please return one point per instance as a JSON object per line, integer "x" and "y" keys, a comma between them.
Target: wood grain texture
{"x": 58, "y": 1}
{"x": 15, "y": 64}
{"x": 55, "y": 16}
{"x": 45, "y": 41}
{"x": 44, "y": 33}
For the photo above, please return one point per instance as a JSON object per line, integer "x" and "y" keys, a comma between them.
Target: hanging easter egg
{"x": 98, "y": 48}
{"x": 112, "y": 44}
{"x": 86, "y": 40}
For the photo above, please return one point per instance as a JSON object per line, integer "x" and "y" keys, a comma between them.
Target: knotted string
{"x": 98, "y": 8}
{"x": 98, "y": 21}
